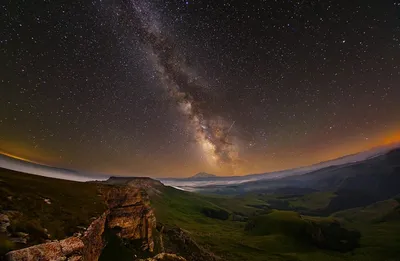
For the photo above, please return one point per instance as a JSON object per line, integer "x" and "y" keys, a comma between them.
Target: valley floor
{"x": 276, "y": 238}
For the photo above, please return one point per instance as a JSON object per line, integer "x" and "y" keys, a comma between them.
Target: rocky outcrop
{"x": 88, "y": 248}
{"x": 178, "y": 241}
{"x": 131, "y": 216}
{"x": 333, "y": 236}
{"x": 165, "y": 257}
{"x": 67, "y": 249}
{"x": 151, "y": 186}
{"x": 93, "y": 239}
{"x": 17, "y": 237}
{"x": 138, "y": 182}
{"x": 4, "y": 223}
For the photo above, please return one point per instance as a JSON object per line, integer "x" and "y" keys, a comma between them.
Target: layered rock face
{"x": 129, "y": 216}
{"x": 93, "y": 238}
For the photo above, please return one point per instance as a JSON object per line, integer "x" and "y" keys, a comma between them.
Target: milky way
{"x": 173, "y": 87}
{"x": 211, "y": 131}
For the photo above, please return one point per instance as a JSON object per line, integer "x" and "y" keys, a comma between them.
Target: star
{"x": 171, "y": 88}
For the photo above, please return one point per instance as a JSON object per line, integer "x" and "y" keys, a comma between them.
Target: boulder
{"x": 20, "y": 238}
{"x": 166, "y": 257}
{"x": 56, "y": 250}
{"x": 71, "y": 245}
{"x": 44, "y": 252}
{"x": 4, "y": 223}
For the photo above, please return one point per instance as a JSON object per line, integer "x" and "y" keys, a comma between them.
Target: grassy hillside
{"x": 265, "y": 235}
{"x": 309, "y": 203}
{"x": 44, "y": 207}
{"x": 313, "y": 201}
{"x": 380, "y": 226}
{"x": 374, "y": 213}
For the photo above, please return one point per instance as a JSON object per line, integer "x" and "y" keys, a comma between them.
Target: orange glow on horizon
{"x": 18, "y": 158}
{"x": 394, "y": 138}
{"x": 306, "y": 154}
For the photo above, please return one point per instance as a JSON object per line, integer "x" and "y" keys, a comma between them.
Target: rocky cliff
{"x": 127, "y": 230}
{"x": 93, "y": 238}
{"x": 129, "y": 217}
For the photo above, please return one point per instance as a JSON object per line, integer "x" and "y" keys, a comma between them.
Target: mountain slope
{"x": 379, "y": 224}
{"x": 378, "y": 175}
{"x": 45, "y": 208}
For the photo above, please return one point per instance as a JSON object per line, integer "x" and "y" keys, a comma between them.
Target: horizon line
{"x": 15, "y": 157}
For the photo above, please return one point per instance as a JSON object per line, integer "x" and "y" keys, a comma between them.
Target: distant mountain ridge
{"x": 355, "y": 184}
{"x": 203, "y": 175}
{"x": 203, "y": 179}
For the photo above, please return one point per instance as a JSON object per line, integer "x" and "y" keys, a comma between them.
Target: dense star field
{"x": 169, "y": 88}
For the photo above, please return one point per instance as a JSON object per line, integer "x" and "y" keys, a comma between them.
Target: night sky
{"x": 171, "y": 88}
